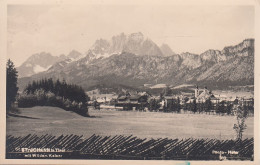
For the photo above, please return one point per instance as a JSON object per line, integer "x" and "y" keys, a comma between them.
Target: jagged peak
{"x": 74, "y": 51}
{"x": 166, "y": 50}
{"x": 245, "y": 43}
{"x": 74, "y": 54}
{"x": 249, "y": 39}
{"x": 101, "y": 40}
{"x": 136, "y": 36}
{"x": 209, "y": 51}
{"x": 39, "y": 55}
{"x": 42, "y": 53}
{"x": 119, "y": 35}
{"x": 188, "y": 54}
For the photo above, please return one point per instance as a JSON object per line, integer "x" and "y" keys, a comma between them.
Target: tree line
{"x": 222, "y": 107}
{"x": 44, "y": 92}
{"x": 67, "y": 91}
{"x": 47, "y": 92}
{"x": 11, "y": 84}
{"x": 208, "y": 106}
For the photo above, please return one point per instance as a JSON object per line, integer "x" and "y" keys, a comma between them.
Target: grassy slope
{"x": 55, "y": 121}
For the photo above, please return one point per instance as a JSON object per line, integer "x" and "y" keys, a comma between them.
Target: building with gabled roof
{"x": 134, "y": 101}
{"x": 201, "y": 95}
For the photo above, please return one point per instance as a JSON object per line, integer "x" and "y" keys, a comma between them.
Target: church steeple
{"x": 205, "y": 89}
{"x": 196, "y": 91}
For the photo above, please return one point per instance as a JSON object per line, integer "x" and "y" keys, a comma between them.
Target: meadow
{"x": 55, "y": 121}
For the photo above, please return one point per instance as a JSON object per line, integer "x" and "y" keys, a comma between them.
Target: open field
{"x": 55, "y": 121}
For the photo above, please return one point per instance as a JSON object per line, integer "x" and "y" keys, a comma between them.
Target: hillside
{"x": 38, "y": 63}
{"x": 43, "y": 61}
{"x": 234, "y": 65}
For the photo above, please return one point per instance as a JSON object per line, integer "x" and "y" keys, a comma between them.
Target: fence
{"x": 126, "y": 147}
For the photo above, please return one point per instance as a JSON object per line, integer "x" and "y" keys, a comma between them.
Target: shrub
{"x": 67, "y": 91}
{"x": 26, "y": 101}
{"x": 41, "y": 98}
{"x": 55, "y": 101}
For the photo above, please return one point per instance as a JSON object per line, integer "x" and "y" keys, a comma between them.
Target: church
{"x": 201, "y": 95}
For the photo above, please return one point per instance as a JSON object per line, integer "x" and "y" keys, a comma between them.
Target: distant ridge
{"x": 122, "y": 61}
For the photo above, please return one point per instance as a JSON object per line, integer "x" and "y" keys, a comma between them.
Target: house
{"x": 122, "y": 99}
{"x": 129, "y": 102}
{"x": 185, "y": 96}
{"x": 105, "y": 98}
{"x": 169, "y": 99}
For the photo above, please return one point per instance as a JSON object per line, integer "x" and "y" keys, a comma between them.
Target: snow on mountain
{"x": 43, "y": 61}
{"x": 37, "y": 63}
{"x": 103, "y": 64}
{"x": 135, "y": 43}
{"x": 38, "y": 68}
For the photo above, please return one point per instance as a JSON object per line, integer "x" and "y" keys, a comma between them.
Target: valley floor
{"x": 55, "y": 121}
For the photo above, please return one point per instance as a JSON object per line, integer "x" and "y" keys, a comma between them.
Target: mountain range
{"x": 133, "y": 60}
{"x": 40, "y": 62}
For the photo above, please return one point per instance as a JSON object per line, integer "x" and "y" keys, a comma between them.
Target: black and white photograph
{"x": 130, "y": 81}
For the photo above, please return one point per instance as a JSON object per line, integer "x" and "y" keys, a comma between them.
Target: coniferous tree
{"x": 208, "y": 105}
{"x": 221, "y": 107}
{"x": 251, "y": 106}
{"x": 154, "y": 104}
{"x": 11, "y": 84}
{"x": 170, "y": 105}
{"x": 178, "y": 105}
{"x": 50, "y": 93}
{"x": 229, "y": 108}
{"x": 64, "y": 90}
{"x": 194, "y": 106}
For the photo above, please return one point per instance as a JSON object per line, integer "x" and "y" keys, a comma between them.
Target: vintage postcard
{"x": 120, "y": 82}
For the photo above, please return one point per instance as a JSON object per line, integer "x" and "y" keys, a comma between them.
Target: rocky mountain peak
{"x": 37, "y": 63}
{"x": 37, "y": 56}
{"x": 212, "y": 55}
{"x": 74, "y": 54}
{"x": 117, "y": 43}
{"x": 137, "y": 37}
{"x": 189, "y": 55}
{"x": 213, "y": 67}
{"x": 134, "y": 43}
{"x": 191, "y": 60}
{"x": 101, "y": 46}
{"x": 239, "y": 49}
{"x": 166, "y": 50}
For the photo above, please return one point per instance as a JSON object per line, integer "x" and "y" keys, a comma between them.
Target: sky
{"x": 59, "y": 29}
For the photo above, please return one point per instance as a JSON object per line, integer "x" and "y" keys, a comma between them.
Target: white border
{"x": 3, "y": 55}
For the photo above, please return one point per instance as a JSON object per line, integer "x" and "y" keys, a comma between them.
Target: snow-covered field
{"x": 55, "y": 121}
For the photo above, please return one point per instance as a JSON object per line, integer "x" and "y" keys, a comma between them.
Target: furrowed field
{"x": 55, "y": 121}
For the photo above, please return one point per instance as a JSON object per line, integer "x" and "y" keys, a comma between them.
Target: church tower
{"x": 196, "y": 91}
{"x": 205, "y": 89}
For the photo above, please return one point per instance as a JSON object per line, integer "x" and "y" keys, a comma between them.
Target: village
{"x": 201, "y": 100}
